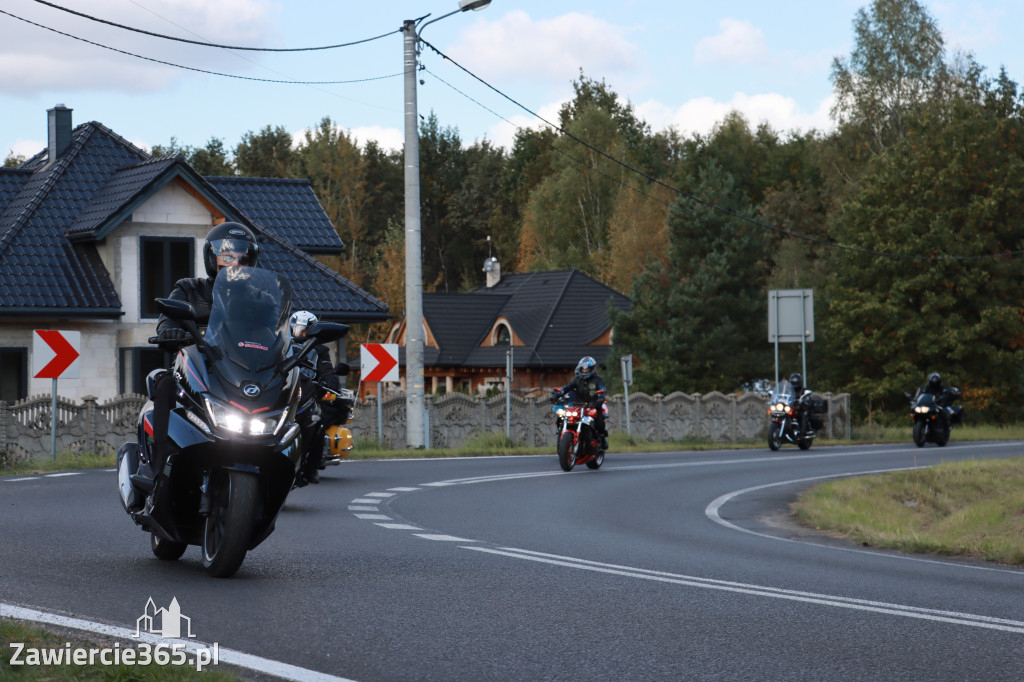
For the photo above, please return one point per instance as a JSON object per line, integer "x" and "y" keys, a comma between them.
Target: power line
{"x": 205, "y": 44}
{"x": 192, "y": 68}
{"x": 753, "y": 221}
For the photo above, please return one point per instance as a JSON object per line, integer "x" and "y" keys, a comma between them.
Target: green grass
{"x": 34, "y": 637}
{"x": 973, "y": 508}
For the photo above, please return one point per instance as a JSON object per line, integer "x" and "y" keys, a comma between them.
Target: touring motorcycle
{"x": 784, "y": 408}
{"x": 323, "y": 411}
{"x": 578, "y": 440}
{"x": 934, "y": 416}
{"x": 235, "y": 446}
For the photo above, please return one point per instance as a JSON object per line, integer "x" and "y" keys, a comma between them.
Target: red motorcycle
{"x": 578, "y": 440}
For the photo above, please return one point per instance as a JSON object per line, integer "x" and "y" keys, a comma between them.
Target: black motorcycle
{"x": 235, "y": 446}
{"x": 934, "y": 415}
{"x": 785, "y": 409}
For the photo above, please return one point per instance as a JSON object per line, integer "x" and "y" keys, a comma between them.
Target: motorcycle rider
{"x": 944, "y": 396}
{"x": 317, "y": 363}
{"x": 588, "y": 387}
{"x": 797, "y": 380}
{"x": 226, "y": 244}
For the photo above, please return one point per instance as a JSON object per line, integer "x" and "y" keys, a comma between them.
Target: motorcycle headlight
{"x": 234, "y": 420}
{"x": 560, "y": 413}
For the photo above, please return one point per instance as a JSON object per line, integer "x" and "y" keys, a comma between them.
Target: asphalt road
{"x": 659, "y": 566}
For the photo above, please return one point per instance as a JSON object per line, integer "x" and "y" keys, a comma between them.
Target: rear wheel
{"x": 566, "y": 456}
{"x": 775, "y": 436}
{"x": 597, "y": 461}
{"x": 943, "y": 436}
{"x": 804, "y": 443}
{"x": 920, "y": 434}
{"x": 168, "y": 550}
{"x": 228, "y": 529}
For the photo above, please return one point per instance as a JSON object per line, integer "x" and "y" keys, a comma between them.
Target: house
{"x": 546, "y": 320}
{"x": 93, "y": 229}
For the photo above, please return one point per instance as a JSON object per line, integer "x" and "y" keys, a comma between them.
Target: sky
{"x": 509, "y": 66}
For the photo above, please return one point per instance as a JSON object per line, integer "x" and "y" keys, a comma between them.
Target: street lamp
{"x": 414, "y": 382}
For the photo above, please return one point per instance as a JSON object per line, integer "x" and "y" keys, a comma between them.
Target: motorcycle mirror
{"x": 325, "y": 332}
{"x": 342, "y": 369}
{"x": 293, "y": 362}
{"x": 175, "y": 309}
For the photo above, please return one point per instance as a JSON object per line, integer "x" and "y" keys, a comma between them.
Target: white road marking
{"x": 64, "y": 473}
{"x": 239, "y": 658}
{"x": 363, "y": 500}
{"x": 398, "y": 526}
{"x": 373, "y": 517}
{"x": 442, "y": 538}
{"x": 19, "y": 480}
{"x": 356, "y": 507}
{"x": 404, "y": 490}
{"x": 379, "y": 495}
{"x": 904, "y": 611}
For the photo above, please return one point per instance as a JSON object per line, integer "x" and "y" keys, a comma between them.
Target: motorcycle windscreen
{"x": 783, "y": 392}
{"x": 249, "y": 321}
{"x": 925, "y": 400}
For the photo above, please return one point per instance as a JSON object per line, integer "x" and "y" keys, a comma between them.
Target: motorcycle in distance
{"x": 578, "y": 440}
{"x": 784, "y": 407}
{"x": 934, "y": 415}
{"x": 234, "y": 444}
{"x": 323, "y": 410}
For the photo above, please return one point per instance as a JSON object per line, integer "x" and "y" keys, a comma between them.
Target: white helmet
{"x": 301, "y": 321}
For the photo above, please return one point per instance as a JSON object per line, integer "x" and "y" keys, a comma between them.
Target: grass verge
{"x": 970, "y": 508}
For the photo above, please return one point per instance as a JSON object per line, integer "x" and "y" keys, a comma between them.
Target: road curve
{"x": 678, "y": 565}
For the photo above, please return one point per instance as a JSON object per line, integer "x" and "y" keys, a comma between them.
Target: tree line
{"x": 905, "y": 220}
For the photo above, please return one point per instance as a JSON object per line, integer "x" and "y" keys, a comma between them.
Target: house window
{"x": 136, "y": 364}
{"x": 164, "y": 261}
{"x": 13, "y": 374}
{"x": 502, "y": 335}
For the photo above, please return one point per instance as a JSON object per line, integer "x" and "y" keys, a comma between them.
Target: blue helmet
{"x": 586, "y": 367}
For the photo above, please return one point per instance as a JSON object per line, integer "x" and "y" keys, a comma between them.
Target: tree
{"x": 473, "y": 212}
{"x": 442, "y": 170}
{"x": 950, "y": 190}
{"x": 896, "y": 64}
{"x": 13, "y": 160}
{"x": 267, "y": 154}
{"x": 698, "y": 322}
{"x": 209, "y": 160}
{"x": 331, "y": 161}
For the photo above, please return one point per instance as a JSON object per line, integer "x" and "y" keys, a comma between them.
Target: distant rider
{"x": 944, "y": 397}
{"x": 799, "y": 391}
{"x": 588, "y": 387}
{"x": 316, "y": 364}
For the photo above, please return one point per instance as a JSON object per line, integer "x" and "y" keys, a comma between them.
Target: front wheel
{"x": 228, "y": 529}
{"x": 566, "y": 456}
{"x": 775, "y": 436}
{"x": 920, "y": 434}
{"x": 168, "y": 550}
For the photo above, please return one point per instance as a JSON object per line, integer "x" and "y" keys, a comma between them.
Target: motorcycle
{"x": 338, "y": 437}
{"x": 934, "y": 416}
{"x": 322, "y": 411}
{"x": 578, "y": 440}
{"x": 235, "y": 446}
{"x": 784, "y": 408}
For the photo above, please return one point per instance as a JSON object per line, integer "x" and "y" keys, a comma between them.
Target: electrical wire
{"x": 708, "y": 204}
{"x": 192, "y": 68}
{"x": 205, "y": 44}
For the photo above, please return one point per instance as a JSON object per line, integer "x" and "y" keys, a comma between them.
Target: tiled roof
{"x": 556, "y": 314}
{"x": 286, "y": 204}
{"x": 51, "y": 216}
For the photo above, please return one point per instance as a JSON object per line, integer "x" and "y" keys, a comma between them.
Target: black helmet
{"x": 796, "y": 380}
{"x": 230, "y": 238}
{"x": 934, "y": 380}
{"x": 585, "y": 367}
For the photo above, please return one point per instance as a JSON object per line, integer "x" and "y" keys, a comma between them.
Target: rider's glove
{"x": 172, "y": 334}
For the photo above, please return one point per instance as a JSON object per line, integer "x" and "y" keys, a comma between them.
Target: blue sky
{"x": 679, "y": 63}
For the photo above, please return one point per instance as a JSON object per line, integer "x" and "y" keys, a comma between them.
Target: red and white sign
{"x": 378, "y": 361}
{"x": 55, "y": 354}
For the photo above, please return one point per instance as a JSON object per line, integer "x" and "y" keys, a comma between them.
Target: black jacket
{"x": 589, "y": 390}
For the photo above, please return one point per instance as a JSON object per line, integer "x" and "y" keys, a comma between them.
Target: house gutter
{"x": 61, "y": 312}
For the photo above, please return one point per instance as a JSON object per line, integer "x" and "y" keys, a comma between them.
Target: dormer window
{"x": 501, "y": 336}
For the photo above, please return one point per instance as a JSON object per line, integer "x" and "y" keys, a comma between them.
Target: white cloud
{"x": 549, "y": 50}
{"x": 701, "y": 115}
{"x": 34, "y": 59}
{"x": 387, "y": 138}
{"x": 738, "y": 43}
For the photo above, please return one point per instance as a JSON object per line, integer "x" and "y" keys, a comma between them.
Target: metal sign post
{"x": 508, "y": 394}
{"x": 791, "y": 320}
{"x": 626, "y": 362}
